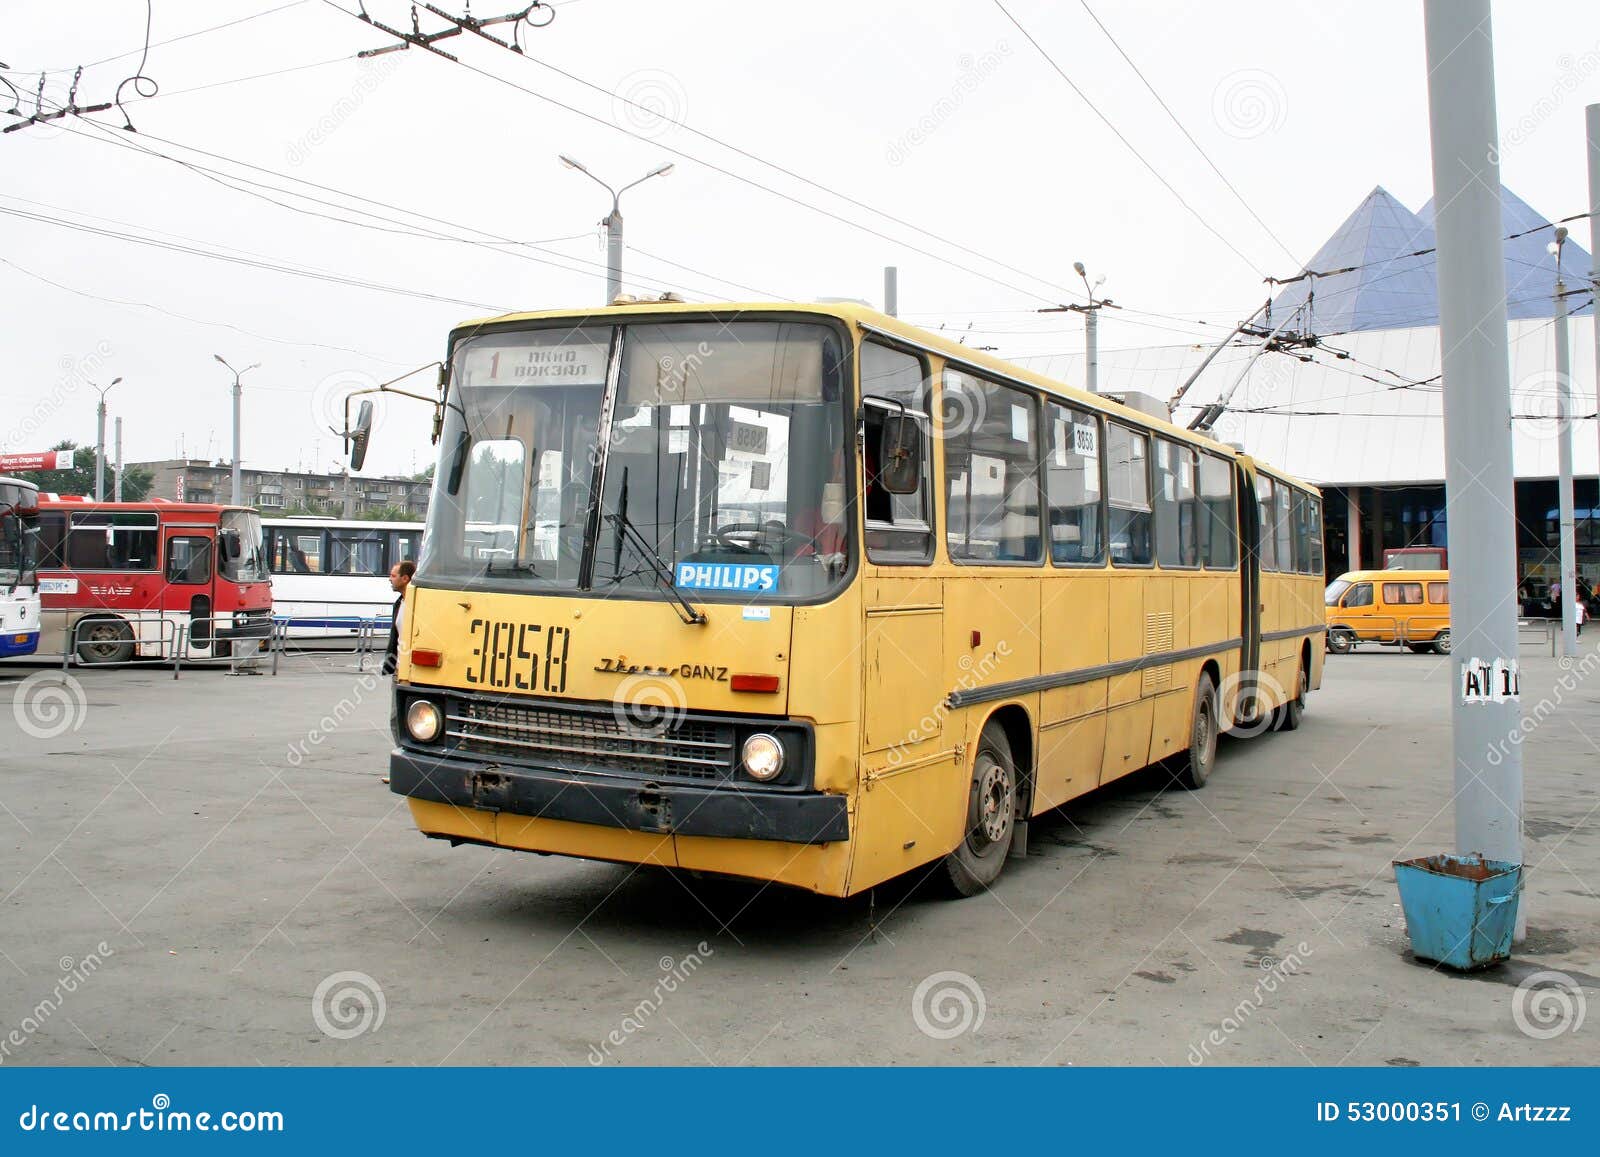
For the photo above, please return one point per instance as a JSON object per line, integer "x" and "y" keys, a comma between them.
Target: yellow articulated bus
{"x": 802, "y": 593}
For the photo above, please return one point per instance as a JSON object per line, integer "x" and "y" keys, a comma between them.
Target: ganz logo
{"x": 621, "y": 666}
{"x": 527, "y": 656}
{"x": 113, "y": 590}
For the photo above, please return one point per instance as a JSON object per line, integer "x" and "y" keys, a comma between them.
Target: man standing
{"x": 399, "y": 579}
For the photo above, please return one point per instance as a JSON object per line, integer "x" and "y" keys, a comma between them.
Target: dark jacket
{"x": 392, "y": 652}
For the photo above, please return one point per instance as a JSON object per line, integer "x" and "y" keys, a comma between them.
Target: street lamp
{"x": 613, "y": 221}
{"x": 100, "y": 443}
{"x": 238, "y": 394}
{"x": 1091, "y": 336}
{"x": 1566, "y": 540}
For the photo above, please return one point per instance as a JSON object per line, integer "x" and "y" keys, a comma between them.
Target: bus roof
{"x": 161, "y": 505}
{"x": 864, "y": 317}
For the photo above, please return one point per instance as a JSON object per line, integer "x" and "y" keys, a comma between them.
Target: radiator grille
{"x": 593, "y": 739}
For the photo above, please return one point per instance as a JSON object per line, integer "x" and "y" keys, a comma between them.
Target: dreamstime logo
{"x": 648, "y": 102}
{"x": 1249, "y": 103}
{"x": 1538, "y": 405}
{"x": 348, "y": 1004}
{"x": 1571, "y": 73}
{"x": 972, "y": 674}
{"x": 328, "y": 400}
{"x": 947, "y": 1005}
{"x": 973, "y": 71}
{"x": 1275, "y": 973}
{"x": 673, "y": 974}
{"x": 76, "y": 372}
{"x": 1548, "y": 1004}
{"x": 1240, "y": 702}
{"x": 649, "y": 706}
{"x": 43, "y": 95}
{"x": 74, "y": 974}
{"x": 1572, "y": 676}
{"x": 374, "y": 71}
{"x": 48, "y": 704}
{"x": 963, "y": 407}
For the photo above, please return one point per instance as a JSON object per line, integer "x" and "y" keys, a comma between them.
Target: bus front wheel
{"x": 1201, "y": 757}
{"x": 105, "y": 641}
{"x": 991, "y": 816}
{"x": 1341, "y": 642}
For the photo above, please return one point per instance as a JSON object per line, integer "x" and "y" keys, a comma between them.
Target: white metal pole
{"x": 1352, "y": 526}
{"x": 1568, "y": 536}
{"x": 100, "y": 450}
{"x": 116, "y": 478}
{"x": 613, "y": 253}
{"x": 1479, "y": 480}
{"x": 1091, "y": 342}
{"x": 1592, "y": 118}
{"x": 238, "y": 395}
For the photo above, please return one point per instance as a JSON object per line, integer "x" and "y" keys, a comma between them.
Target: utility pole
{"x": 1091, "y": 336}
{"x": 100, "y": 444}
{"x": 1479, "y": 481}
{"x": 1568, "y": 529}
{"x": 891, "y": 290}
{"x": 116, "y": 481}
{"x": 238, "y": 397}
{"x": 613, "y": 222}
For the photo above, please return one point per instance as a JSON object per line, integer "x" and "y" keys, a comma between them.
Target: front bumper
{"x": 15, "y": 643}
{"x": 620, "y": 802}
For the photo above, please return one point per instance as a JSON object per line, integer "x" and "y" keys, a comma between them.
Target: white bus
{"x": 330, "y": 575}
{"x": 19, "y": 561}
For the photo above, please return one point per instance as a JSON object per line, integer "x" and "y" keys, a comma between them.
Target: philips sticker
{"x": 726, "y": 576}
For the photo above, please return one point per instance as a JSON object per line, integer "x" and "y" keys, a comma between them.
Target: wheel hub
{"x": 994, "y": 801}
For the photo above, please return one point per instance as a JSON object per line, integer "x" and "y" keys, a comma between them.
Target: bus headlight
{"x": 763, "y": 756}
{"x": 424, "y": 721}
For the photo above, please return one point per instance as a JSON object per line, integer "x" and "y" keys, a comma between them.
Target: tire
{"x": 105, "y": 641}
{"x": 1441, "y": 642}
{"x": 1197, "y": 763}
{"x": 1287, "y": 717}
{"x": 991, "y": 816}
{"x": 1340, "y": 641}
{"x": 1419, "y": 648}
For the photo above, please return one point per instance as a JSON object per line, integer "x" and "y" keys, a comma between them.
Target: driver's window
{"x": 189, "y": 559}
{"x": 1359, "y": 596}
{"x": 899, "y": 526}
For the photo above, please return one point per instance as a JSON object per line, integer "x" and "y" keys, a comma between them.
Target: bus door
{"x": 1250, "y": 605}
{"x": 190, "y": 551}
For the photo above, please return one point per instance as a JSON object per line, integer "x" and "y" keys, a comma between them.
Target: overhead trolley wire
{"x": 1118, "y": 133}
{"x": 1172, "y": 116}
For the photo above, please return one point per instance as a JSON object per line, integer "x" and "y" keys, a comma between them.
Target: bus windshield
{"x": 18, "y": 520}
{"x": 722, "y": 472}
{"x": 241, "y": 559}
{"x": 1335, "y": 591}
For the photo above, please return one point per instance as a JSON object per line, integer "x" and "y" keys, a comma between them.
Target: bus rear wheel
{"x": 1201, "y": 757}
{"x": 1287, "y": 717}
{"x": 1441, "y": 642}
{"x": 105, "y": 641}
{"x": 991, "y": 816}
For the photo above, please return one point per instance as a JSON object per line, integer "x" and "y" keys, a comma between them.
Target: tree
{"x": 388, "y": 514}
{"x": 136, "y": 480}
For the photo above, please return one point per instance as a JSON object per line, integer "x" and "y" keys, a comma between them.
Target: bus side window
{"x": 1219, "y": 534}
{"x": 1284, "y": 525}
{"x": 991, "y": 470}
{"x": 1072, "y": 487}
{"x": 1314, "y": 563}
{"x": 1439, "y": 593}
{"x": 1128, "y": 494}
{"x": 899, "y": 526}
{"x": 1176, "y": 544}
{"x": 189, "y": 559}
{"x": 1266, "y": 514}
{"x": 1360, "y": 596}
{"x": 52, "y": 540}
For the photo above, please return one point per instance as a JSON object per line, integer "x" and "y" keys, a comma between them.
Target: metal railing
{"x": 170, "y": 631}
{"x": 1540, "y": 632}
{"x": 245, "y": 651}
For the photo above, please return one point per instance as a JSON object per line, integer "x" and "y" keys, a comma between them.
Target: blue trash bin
{"x": 1460, "y": 910}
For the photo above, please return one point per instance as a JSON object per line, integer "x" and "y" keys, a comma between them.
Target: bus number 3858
{"x": 524, "y": 656}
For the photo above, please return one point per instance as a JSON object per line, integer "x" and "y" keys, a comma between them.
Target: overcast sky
{"x": 939, "y": 114}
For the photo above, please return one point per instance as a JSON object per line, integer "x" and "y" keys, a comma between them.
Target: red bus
{"x": 138, "y": 575}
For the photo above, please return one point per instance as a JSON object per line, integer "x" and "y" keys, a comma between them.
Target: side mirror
{"x": 361, "y": 435}
{"x": 230, "y": 547}
{"x": 900, "y": 454}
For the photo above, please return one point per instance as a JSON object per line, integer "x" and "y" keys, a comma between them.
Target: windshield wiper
{"x": 687, "y": 611}
{"x": 495, "y": 567}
